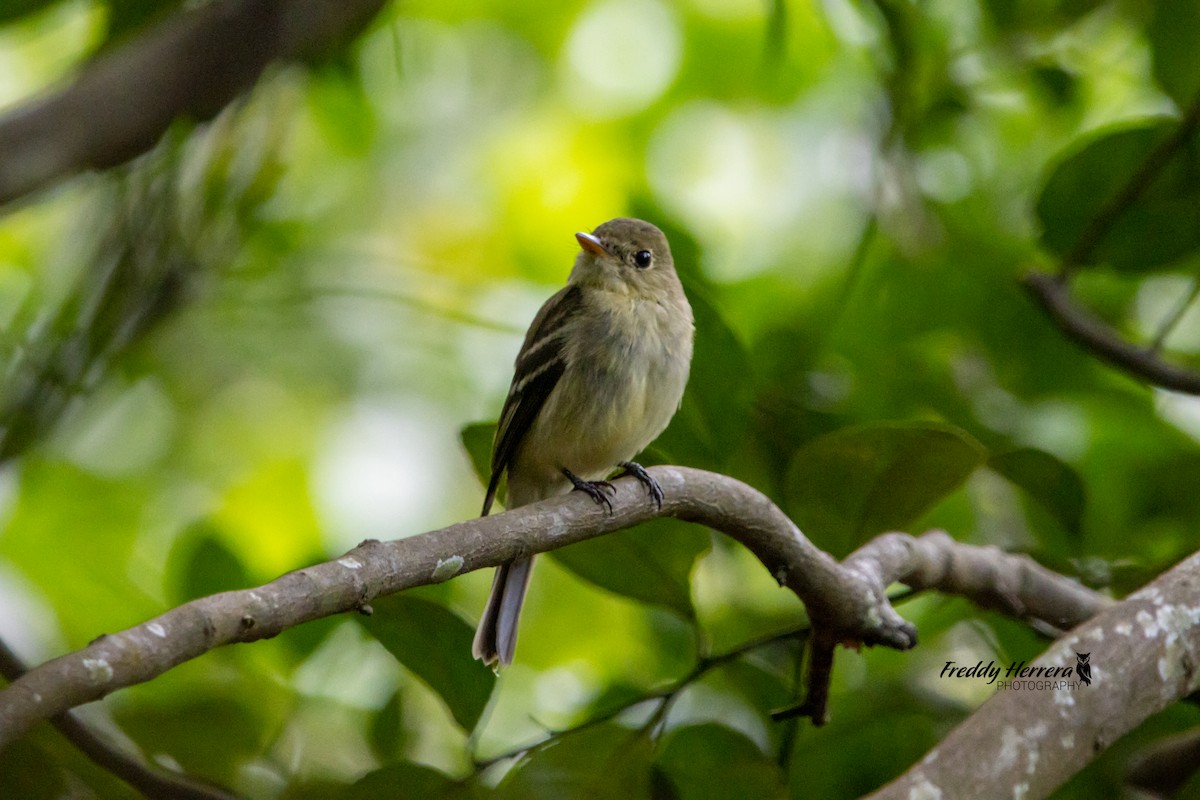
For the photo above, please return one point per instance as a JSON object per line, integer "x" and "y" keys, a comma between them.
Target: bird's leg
{"x": 593, "y": 489}
{"x": 638, "y": 471}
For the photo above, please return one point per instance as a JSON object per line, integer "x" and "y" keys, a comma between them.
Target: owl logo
{"x": 1083, "y": 667}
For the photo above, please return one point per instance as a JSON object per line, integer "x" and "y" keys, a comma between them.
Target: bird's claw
{"x": 638, "y": 471}
{"x": 593, "y": 489}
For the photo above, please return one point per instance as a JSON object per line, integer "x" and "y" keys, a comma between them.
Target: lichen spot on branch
{"x": 447, "y": 568}
{"x": 99, "y": 670}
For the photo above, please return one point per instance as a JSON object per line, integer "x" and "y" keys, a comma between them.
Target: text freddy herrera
{"x": 1017, "y": 669}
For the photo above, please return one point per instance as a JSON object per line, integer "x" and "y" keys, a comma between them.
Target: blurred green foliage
{"x": 276, "y": 335}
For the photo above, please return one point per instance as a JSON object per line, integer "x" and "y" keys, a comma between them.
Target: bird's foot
{"x": 638, "y": 471}
{"x": 593, "y": 489}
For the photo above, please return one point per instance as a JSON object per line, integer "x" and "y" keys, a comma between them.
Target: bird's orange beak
{"x": 591, "y": 244}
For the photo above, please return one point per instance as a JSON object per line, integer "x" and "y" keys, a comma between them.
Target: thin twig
{"x": 1174, "y": 317}
{"x": 664, "y": 697}
{"x": 481, "y": 764}
{"x": 820, "y": 673}
{"x": 1051, "y": 293}
{"x": 790, "y": 728}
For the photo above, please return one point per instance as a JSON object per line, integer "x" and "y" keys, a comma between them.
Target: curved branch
{"x": 1051, "y": 294}
{"x": 1015, "y": 585}
{"x": 1145, "y": 656}
{"x": 845, "y": 602}
{"x": 1011, "y": 584}
{"x": 191, "y": 66}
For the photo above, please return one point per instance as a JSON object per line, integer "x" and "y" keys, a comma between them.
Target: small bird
{"x": 600, "y": 374}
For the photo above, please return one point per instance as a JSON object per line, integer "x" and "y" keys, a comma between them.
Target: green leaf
{"x": 43, "y": 765}
{"x": 1014, "y": 15}
{"x": 713, "y": 418}
{"x": 28, "y": 772}
{"x": 387, "y": 734}
{"x": 202, "y": 564}
{"x": 15, "y": 9}
{"x": 603, "y": 762}
{"x": 232, "y": 730}
{"x": 854, "y": 483}
{"x": 91, "y": 591}
{"x": 341, "y": 109}
{"x": 128, "y": 16}
{"x": 766, "y": 678}
{"x": 1049, "y": 481}
{"x": 1161, "y": 227}
{"x": 1172, "y": 34}
{"x": 435, "y": 644}
{"x": 712, "y": 762}
{"x": 477, "y": 439}
{"x": 1059, "y": 85}
{"x": 405, "y": 779}
{"x": 315, "y": 789}
{"x": 888, "y": 732}
{"x": 651, "y": 563}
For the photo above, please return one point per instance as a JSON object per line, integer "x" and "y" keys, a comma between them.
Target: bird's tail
{"x": 496, "y": 636}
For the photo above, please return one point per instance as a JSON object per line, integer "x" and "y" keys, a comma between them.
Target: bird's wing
{"x": 539, "y": 366}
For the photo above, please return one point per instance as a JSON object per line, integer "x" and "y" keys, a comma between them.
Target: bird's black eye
{"x": 642, "y": 258}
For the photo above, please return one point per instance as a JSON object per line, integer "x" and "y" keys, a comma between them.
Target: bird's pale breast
{"x": 623, "y": 383}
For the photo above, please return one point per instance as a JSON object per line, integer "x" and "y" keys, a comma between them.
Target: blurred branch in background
{"x": 1052, "y": 293}
{"x": 191, "y": 66}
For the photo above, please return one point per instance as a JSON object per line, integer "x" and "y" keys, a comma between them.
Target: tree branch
{"x": 1015, "y": 585}
{"x": 1145, "y": 652}
{"x": 847, "y": 601}
{"x": 1051, "y": 294}
{"x": 664, "y": 696}
{"x": 1011, "y": 584}
{"x": 190, "y": 66}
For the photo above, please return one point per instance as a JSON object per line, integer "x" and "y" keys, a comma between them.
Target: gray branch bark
{"x": 190, "y": 66}
{"x": 847, "y": 601}
{"x": 1026, "y": 743}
